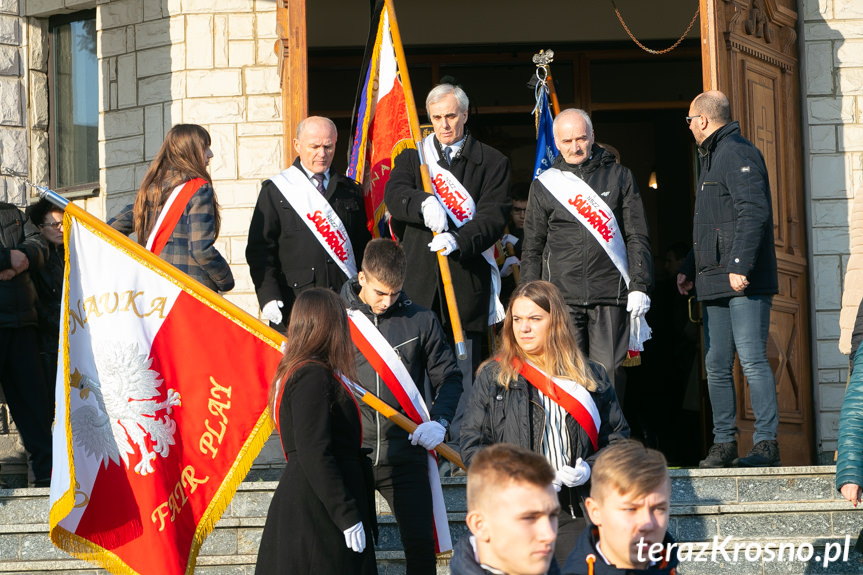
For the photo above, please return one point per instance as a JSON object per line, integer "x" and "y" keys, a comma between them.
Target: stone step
{"x": 792, "y": 505}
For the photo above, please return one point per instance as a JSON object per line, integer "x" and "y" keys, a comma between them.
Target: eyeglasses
{"x": 690, "y": 118}
{"x": 54, "y": 225}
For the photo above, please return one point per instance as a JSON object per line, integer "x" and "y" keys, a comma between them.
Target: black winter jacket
{"x": 284, "y": 256}
{"x": 733, "y": 224}
{"x": 574, "y": 261}
{"x": 48, "y": 282}
{"x": 586, "y": 545}
{"x": 485, "y": 173}
{"x": 18, "y": 295}
{"x": 418, "y": 338}
{"x": 515, "y": 415}
{"x": 464, "y": 561}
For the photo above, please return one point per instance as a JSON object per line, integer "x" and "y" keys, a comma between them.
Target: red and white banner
{"x": 161, "y": 402}
{"x": 319, "y": 216}
{"x": 381, "y": 126}
{"x": 385, "y": 361}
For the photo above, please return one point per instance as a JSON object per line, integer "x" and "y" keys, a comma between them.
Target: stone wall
{"x": 192, "y": 61}
{"x": 833, "y": 34}
{"x": 14, "y": 144}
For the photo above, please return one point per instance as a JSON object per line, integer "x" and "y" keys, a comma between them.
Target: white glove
{"x": 429, "y": 434}
{"x": 572, "y": 476}
{"x": 444, "y": 243}
{"x": 506, "y": 269}
{"x": 434, "y": 215}
{"x": 637, "y": 303}
{"x": 271, "y": 311}
{"x": 355, "y": 537}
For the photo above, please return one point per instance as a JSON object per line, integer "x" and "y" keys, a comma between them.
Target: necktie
{"x": 319, "y": 182}
{"x": 447, "y": 152}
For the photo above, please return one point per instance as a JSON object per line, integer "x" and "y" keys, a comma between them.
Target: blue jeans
{"x": 742, "y": 324}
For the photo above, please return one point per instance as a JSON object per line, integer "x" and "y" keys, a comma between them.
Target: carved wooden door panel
{"x": 749, "y": 51}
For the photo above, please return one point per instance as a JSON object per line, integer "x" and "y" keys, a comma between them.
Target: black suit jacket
{"x": 284, "y": 256}
{"x": 485, "y": 173}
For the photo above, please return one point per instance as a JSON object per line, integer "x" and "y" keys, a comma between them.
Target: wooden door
{"x": 291, "y": 50}
{"x": 749, "y": 51}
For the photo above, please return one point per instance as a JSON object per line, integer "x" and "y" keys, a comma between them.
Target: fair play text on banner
{"x": 161, "y": 402}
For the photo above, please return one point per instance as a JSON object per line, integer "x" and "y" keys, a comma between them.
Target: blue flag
{"x": 546, "y": 151}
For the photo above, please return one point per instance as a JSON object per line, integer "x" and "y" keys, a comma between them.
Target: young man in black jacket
{"x": 629, "y": 504}
{"x": 733, "y": 264}
{"x": 512, "y": 511}
{"x": 401, "y": 461}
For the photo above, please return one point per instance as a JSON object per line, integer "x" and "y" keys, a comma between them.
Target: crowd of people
{"x": 535, "y": 413}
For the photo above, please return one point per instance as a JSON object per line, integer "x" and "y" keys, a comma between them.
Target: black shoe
{"x": 719, "y": 455}
{"x": 763, "y": 454}
{"x": 42, "y": 482}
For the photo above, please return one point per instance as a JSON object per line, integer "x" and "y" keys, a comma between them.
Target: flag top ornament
{"x": 381, "y": 129}
{"x": 546, "y": 150}
{"x": 157, "y": 421}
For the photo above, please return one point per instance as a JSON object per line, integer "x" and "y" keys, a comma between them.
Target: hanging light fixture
{"x": 651, "y": 181}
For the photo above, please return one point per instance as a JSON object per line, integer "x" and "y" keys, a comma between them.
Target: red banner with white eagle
{"x": 161, "y": 402}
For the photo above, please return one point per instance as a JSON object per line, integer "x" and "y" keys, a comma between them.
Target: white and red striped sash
{"x": 170, "y": 214}
{"x": 572, "y": 397}
{"x": 384, "y": 360}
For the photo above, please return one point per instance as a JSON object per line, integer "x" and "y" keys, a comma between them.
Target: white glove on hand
{"x": 271, "y": 311}
{"x": 355, "y": 537}
{"x": 429, "y": 434}
{"x": 637, "y": 303}
{"x": 572, "y": 476}
{"x": 445, "y": 242}
{"x": 434, "y": 215}
{"x": 506, "y": 268}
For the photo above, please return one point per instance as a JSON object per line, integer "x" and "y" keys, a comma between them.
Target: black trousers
{"x": 406, "y": 488}
{"x": 30, "y": 400}
{"x": 602, "y": 333}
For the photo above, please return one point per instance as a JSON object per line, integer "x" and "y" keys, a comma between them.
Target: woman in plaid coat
{"x": 183, "y": 157}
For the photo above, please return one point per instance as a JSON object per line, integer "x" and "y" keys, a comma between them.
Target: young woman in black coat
{"x": 506, "y": 406}
{"x": 321, "y": 516}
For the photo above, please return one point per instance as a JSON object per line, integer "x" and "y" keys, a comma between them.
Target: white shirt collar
{"x": 472, "y": 540}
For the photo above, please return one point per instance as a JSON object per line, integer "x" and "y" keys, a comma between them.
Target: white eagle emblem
{"x": 127, "y": 408}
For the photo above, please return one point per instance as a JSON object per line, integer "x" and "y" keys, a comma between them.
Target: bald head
{"x": 713, "y": 104}
{"x": 316, "y": 143}
{"x": 708, "y": 112}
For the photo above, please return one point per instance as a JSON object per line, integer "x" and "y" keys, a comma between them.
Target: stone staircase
{"x": 782, "y": 506}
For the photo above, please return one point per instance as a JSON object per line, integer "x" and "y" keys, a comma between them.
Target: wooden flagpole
{"x": 443, "y": 262}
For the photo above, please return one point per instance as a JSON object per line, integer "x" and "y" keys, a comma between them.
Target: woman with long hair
{"x": 541, "y": 393}
{"x": 321, "y": 516}
{"x": 176, "y": 214}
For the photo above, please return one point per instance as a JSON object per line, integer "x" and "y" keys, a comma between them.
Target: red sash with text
{"x": 572, "y": 397}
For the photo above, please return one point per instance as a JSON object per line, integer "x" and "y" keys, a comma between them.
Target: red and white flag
{"x": 161, "y": 402}
{"x": 381, "y": 128}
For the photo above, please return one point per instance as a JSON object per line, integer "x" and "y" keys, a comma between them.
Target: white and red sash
{"x": 319, "y": 216}
{"x": 461, "y": 208}
{"x": 586, "y": 206}
{"x": 383, "y": 358}
{"x": 170, "y": 214}
{"x": 572, "y": 397}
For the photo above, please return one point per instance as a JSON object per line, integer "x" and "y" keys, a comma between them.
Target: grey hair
{"x": 302, "y": 125}
{"x": 569, "y": 112}
{"x": 441, "y": 91}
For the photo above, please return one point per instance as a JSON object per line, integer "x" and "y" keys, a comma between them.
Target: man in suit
{"x": 468, "y": 212}
{"x": 307, "y": 226}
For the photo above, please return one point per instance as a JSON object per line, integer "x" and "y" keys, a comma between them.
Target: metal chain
{"x": 645, "y": 48}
